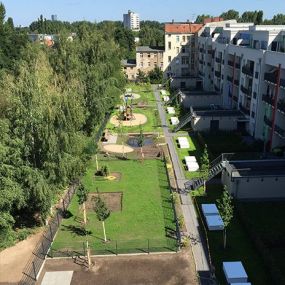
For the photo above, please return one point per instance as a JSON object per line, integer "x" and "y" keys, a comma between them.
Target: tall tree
{"x": 230, "y": 15}
{"x": 205, "y": 166}
{"x": 200, "y": 18}
{"x": 226, "y": 210}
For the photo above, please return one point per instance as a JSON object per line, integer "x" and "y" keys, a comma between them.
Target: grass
{"x": 147, "y": 210}
{"x": 194, "y": 150}
{"x": 145, "y": 91}
{"x": 239, "y": 245}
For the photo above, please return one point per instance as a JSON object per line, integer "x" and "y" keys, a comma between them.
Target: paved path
{"x": 189, "y": 212}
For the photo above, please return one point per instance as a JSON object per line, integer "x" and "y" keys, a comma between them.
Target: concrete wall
{"x": 201, "y": 100}
{"x": 225, "y": 123}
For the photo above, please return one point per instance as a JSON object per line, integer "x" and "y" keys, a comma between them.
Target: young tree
{"x": 102, "y": 212}
{"x": 226, "y": 210}
{"x": 155, "y": 76}
{"x": 82, "y": 195}
{"x": 141, "y": 141}
{"x": 205, "y": 166}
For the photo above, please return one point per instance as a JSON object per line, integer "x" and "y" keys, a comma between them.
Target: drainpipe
{"x": 275, "y": 100}
{"x": 233, "y": 86}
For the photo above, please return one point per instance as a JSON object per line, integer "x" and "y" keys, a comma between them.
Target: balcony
{"x": 235, "y": 98}
{"x": 247, "y": 70}
{"x": 218, "y": 74}
{"x": 201, "y": 50}
{"x": 267, "y": 122}
{"x": 279, "y": 131}
{"x": 272, "y": 78}
{"x": 238, "y": 65}
{"x": 218, "y": 60}
{"x": 236, "y": 82}
{"x": 217, "y": 88}
{"x": 267, "y": 99}
{"x": 209, "y": 52}
{"x": 245, "y": 90}
{"x": 230, "y": 78}
{"x": 244, "y": 110}
{"x": 230, "y": 63}
{"x": 281, "y": 106}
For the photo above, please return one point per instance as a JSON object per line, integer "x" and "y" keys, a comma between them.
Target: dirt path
{"x": 14, "y": 259}
{"x": 117, "y": 148}
{"x": 161, "y": 269}
{"x": 139, "y": 119}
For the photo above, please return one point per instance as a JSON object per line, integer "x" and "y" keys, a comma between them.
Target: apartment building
{"x": 246, "y": 65}
{"x": 147, "y": 58}
{"x": 131, "y": 21}
{"x": 181, "y": 54}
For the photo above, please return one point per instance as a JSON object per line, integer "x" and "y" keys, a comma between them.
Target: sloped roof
{"x": 182, "y": 28}
{"x": 149, "y": 49}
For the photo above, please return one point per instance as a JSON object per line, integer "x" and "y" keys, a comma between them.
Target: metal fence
{"x": 33, "y": 267}
{"x": 115, "y": 247}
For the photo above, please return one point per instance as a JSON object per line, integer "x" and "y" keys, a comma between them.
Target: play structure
{"x": 126, "y": 110}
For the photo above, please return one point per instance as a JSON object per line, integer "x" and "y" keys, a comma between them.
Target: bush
{"x": 181, "y": 221}
{"x": 185, "y": 242}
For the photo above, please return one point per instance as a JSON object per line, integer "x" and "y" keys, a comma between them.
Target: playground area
{"x": 135, "y": 120}
{"x": 144, "y": 223}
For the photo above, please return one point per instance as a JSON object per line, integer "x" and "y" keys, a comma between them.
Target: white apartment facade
{"x": 246, "y": 65}
{"x": 131, "y": 21}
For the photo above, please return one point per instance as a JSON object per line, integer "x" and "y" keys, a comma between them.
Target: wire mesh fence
{"x": 41, "y": 250}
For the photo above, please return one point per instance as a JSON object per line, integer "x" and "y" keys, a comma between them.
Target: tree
{"x": 82, "y": 195}
{"x": 155, "y": 76}
{"x": 200, "y": 18}
{"x": 255, "y": 17}
{"x": 205, "y": 165}
{"x": 141, "y": 77}
{"x": 230, "y": 15}
{"x": 226, "y": 210}
{"x": 102, "y": 212}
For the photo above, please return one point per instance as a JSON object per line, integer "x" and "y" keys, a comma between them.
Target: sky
{"x": 25, "y": 11}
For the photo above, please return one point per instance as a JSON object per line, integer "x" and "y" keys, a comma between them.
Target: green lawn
{"x": 194, "y": 150}
{"x": 145, "y": 91}
{"x": 147, "y": 210}
{"x": 240, "y": 247}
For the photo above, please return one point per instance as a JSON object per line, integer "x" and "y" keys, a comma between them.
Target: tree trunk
{"x": 225, "y": 238}
{"x": 103, "y": 224}
{"x": 84, "y": 214}
{"x": 88, "y": 254}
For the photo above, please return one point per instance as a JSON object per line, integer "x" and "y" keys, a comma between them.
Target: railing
{"x": 270, "y": 77}
{"x": 245, "y": 90}
{"x": 279, "y": 131}
{"x": 247, "y": 70}
{"x": 281, "y": 106}
{"x": 218, "y": 74}
{"x": 244, "y": 110}
{"x": 33, "y": 267}
{"x": 268, "y": 121}
{"x": 268, "y": 99}
{"x": 218, "y": 60}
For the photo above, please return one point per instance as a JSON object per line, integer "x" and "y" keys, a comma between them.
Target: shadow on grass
{"x": 77, "y": 230}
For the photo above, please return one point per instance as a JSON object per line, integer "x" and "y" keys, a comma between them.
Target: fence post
{"x": 57, "y": 218}
{"x": 148, "y": 246}
{"x": 116, "y": 247}
{"x": 34, "y": 268}
{"x": 50, "y": 231}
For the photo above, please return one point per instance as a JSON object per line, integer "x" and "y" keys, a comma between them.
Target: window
{"x": 169, "y": 68}
{"x": 169, "y": 45}
{"x": 149, "y": 64}
{"x": 177, "y": 61}
{"x": 148, "y": 55}
{"x": 185, "y": 60}
{"x": 177, "y": 49}
{"x": 183, "y": 38}
{"x": 169, "y": 59}
{"x": 183, "y": 50}
{"x": 141, "y": 54}
{"x": 188, "y": 38}
{"x": 141, "y": 64}
{"x": 169, "y": 35}
{"x": 177, "y": 39}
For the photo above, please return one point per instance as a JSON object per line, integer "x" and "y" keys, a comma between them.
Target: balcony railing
{"x": 267, "y": 121}
{"x": 247, "y": 70}
{"x": 244, "y": 110}
{"x": 281, "y": 105}
{"x": 217, "y": 88}
{"x": 279, "y": 131}
{"x": 245, "y": 90}
{"x": 272, "y": 78}
{"x": 268, "y": 99}
{"x": 218, "y": 74}
{"x": 218, "y": 60}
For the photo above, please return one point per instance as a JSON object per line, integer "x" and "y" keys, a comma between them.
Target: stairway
{"x": 179, "y": 93}
{"x": 216, "y": 167}
{"x": 183, "y": 121}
